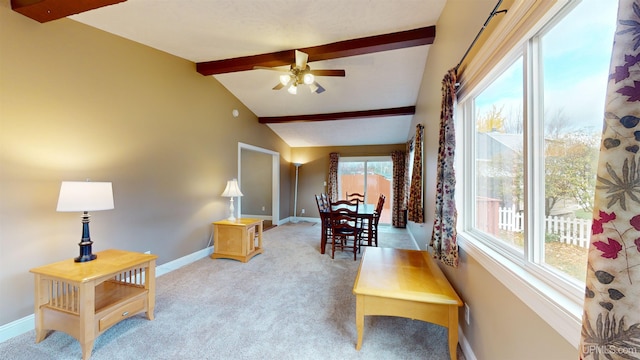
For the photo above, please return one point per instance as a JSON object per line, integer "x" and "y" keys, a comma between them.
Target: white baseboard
{"x": 185, "y": 260}
{"x": 465, "y": 346}
{"x": 299, "y": 219}
{"x": 17, "y": 327}
{"x": 27, "y": 323}
{"x": 414, "y": 240}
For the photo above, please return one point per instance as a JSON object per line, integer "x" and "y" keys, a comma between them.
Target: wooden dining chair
{"x": 323, "y": 210}
{"x": 345, "y": 233}
{"x": 346, "y": 228}
{"x": 376, "y": 218}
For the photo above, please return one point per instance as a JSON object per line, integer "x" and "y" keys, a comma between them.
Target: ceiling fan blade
{"x": 301, "y": 60}
{"x": 328, "y": 73}
{"x": 316, "y": 88}
{"x": 278, "y": 87}
{"x": 270, "y": 68}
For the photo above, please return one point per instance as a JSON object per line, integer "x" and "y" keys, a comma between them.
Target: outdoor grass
{"x": 570, "y": 259}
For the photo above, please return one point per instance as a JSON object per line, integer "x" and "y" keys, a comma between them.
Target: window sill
{"x": 562, "y": 313}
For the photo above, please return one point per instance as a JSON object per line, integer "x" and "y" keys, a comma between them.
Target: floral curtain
{"x": 407, "y": 179}
{"x": 398, "y": 208}
{"x": 611, "y": 317}
{"x": 332, "y": 185}
{"x": 415, "y": 210}
{"x": 443, "y": 239}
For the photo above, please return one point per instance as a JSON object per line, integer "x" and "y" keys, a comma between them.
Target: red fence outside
{"x": 376, "y": 185}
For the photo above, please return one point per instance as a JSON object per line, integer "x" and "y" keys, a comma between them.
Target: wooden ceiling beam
{"x": 401, "y": 111}
{"x": 361, "y": 46}
{"x": 48, "y": 10}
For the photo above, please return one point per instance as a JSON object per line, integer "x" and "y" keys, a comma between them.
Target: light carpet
{"x": 289, "y": 303}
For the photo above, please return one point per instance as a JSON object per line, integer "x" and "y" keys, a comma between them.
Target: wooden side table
{"x": 84, "y": 299}
{"x": 236, "y": 239}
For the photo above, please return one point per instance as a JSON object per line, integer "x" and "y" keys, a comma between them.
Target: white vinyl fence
{"x": 569, "y": 230}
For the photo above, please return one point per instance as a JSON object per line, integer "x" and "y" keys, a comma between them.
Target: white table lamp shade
{"x": 85, "y": 196}
{"x": 232, "y": 189}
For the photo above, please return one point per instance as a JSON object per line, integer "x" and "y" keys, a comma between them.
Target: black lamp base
{"x": 85, "y": 252}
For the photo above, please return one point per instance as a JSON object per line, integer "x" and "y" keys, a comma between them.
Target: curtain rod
{"x": 494, "y": 12}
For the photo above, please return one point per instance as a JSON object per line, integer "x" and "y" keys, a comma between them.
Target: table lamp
{"x": 85, "y": 196}
{"x": 232, "y": 190}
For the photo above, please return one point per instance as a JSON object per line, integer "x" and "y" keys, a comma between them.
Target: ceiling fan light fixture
{"x": 308, "y": 78}
{"x": 313, "y": 87}
{"x": 293, "y": 89}
{"x": 284, "y": 79}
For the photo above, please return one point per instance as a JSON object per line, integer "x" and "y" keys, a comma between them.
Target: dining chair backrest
{"x": 322, "y": 206}
{"x": 325, "y": 200}
{"x": 356, "y": 196}
{"x": 349, "y": 207}
{"x": 343, "y": 223}
{"x": 380, "y": 204}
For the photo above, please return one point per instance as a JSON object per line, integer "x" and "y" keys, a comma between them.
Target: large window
{"x": 531, "y": 135}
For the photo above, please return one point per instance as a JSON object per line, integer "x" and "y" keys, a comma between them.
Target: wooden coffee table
{"x": 405, "y": 283}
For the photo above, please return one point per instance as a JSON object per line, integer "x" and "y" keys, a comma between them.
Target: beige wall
{"x": 502, "y": 327}
{"x": 78, "y": 103}
{"x": 315, "y": 170}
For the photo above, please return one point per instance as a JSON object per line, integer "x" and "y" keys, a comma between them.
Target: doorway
{"x": 261, "y": 198}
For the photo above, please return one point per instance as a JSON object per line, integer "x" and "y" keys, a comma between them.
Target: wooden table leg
{"x": 453, "y": 331}
{"x": 359, "y": 319}
{"x": 87, "y": 332}
{"x": 323, "y": 236}
{"x": 150, "y": 284}
{"x": 87, "y": 348}
{"x": 41, "y": 299}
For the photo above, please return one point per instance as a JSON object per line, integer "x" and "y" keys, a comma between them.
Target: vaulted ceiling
{"x": 382, "y": 45}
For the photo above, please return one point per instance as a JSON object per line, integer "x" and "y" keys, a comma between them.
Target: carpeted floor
{"x": 289, "y": 303}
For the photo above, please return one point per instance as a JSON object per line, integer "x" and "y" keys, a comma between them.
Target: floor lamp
{"x": 295, "y": 195}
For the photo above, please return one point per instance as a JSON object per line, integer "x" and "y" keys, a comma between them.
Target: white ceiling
{"x": 208, "y": 30}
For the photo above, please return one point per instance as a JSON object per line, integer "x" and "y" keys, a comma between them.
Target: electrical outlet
{"x": 263, "y": 208}
{"x": 302, "y": 211}
{"x": 467, "y": 314}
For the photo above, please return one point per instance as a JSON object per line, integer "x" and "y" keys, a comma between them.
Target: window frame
{"x": 555, "y": 297}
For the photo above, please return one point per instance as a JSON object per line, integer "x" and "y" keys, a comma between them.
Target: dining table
{"x": 365, "y": 213}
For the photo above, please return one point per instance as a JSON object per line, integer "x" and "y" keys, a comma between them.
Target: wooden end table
{"x": 236, "y": 239}
{"x": 84, "y": 299}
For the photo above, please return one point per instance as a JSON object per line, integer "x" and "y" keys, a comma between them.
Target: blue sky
{"x": 576, "y": 53}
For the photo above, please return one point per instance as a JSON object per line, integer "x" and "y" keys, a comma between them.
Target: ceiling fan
{"x": 300, "y": 73}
